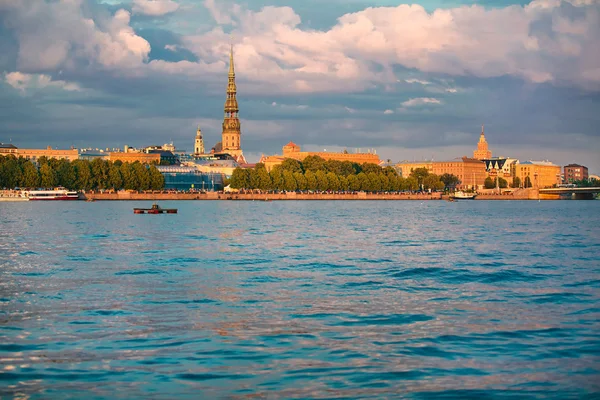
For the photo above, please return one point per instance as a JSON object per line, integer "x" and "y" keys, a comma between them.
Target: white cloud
{"x": 388, "y": 112}
{"x": 66, "y": 35}
{"x": 420, "y": 101}
{"x": 154, "y": 7}
{"x": 23, "y": 82}
{"x": 171, "y": 47}
{"x": 538, "y": 42}
{"x": 419, "y": 81}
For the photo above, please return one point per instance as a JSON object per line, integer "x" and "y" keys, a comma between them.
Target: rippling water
{"x": 300, "y": 300}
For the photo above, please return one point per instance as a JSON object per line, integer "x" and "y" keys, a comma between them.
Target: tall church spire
{"x": 231, "y": 136}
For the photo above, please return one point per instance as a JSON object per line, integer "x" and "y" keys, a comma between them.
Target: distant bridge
{"x": 580, "y": 193}
{"x": 578, "y": 190}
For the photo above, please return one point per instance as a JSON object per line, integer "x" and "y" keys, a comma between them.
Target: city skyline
{"x": 149, "y": 72}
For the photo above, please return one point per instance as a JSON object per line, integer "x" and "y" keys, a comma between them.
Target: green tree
{"x": 31, "y": 176}
{"x": 363, "y": 182}
{"x": 300, "y": 181}
{"x": 343, "y": 183}
{"x": 115, "y": 180}
{"x": 367, "y": 168}
{"x": 374, "y": 181}
{"x": 157, "y": 180}
{"x": 276, "y": 178}
{"x": 313, "y": 163}
{"x": 353, "y": 183}
{"x": 411, "y": 183}
{"x": 419, "y": 174}
{"x": 254, "y": 179}
{"x": 66, "y": 174}
{"x": 311, "y": 180}
{"x": 322, "y": 182}
{"x": 502, "y": 183}
{"x": 432, "y": 182}
{"x": 289, "y": 182}
{"x": 130, "y": 179}
{"x": 99, "y": 173}
{"x": 334, "y": 166}
{"x": 450, "y": 181}
{"x": 264, "y": 178}
{"x": 489, "y": 183}
{"x": 527, "y": 182}
{"x": 240, "y": 179}
{"x": 348, "y": 168}
{"x": 143, "y": 176}
{"x": 83, "y": 174}
{"x": 516, "y": 182}
{"x": 48, "y": 177}
{"x": 289, "y": 164}
{"x": 333, "y": 181}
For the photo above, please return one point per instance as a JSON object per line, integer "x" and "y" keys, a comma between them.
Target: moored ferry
{"x": 59, "y": 193}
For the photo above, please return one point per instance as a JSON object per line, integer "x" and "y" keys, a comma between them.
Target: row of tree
{"x": 316, "y": 174}
{"x": 78, "y": 174}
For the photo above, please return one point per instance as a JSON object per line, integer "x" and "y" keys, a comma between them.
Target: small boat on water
{"x": 155, "y": 209}
{"x": 460, "y": 195}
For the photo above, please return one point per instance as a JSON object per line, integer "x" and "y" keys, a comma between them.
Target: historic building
{"x": 7, "y": 148}
{"x": 538, "y": 174}
{"x": 35, "y": 154}
{"x": 502, "y": 167}
{"x": 482, "y": 152}
{"x": 292, "y": 150}
{"x": 575, "y": 172}
{"x": 470, "y": 172}
{"x": 231, "y": 137}
{"x": 199, "y": 142}
{"x": 133, "y": 156}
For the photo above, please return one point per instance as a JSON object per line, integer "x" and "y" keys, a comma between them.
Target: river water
{"x": 304, "y": 299}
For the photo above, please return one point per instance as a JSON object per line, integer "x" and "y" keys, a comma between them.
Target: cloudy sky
{"x": 411, "y": 81}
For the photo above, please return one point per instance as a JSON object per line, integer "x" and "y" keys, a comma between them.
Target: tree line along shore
{"x": 317, "y": 174}
{"x": 78, "y": 174}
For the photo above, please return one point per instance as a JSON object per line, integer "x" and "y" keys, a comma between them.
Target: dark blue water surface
{"x": 306, "y": 299}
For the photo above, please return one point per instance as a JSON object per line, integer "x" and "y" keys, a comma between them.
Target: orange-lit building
{"x": 292, "y": 150}
{"x": 470, "y": 172}
{"x": 131, "y": 157}
{"x": 541, "y": 174}
{"x": 482, "y": 152}
{"x": 35, "y": 154}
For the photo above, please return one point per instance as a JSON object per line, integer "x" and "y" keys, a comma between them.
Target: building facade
{"x": 293, "y": 151}
{"x": 189, "y": 178}
{"x": 35, "y": 154}
{"x": 482, "y": 152}
{"x": 575, "y": 172}
{"x": 133, "y": 156}
{"x": 505, "y": 168}
{"x": 538, "y": 174}
{"x": 470, "y": 172}
{"x": 7, "y": 148}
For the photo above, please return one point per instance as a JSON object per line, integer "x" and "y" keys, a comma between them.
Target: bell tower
{"x": 199, "y": 142}
{"x": 231, "y": 137}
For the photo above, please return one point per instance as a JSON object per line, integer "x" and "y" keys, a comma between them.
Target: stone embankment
{"x": 520, "y": 194}
{"x": 257, "y": 196}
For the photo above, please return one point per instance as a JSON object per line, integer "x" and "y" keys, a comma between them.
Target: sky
{"x": 411, "y": 81}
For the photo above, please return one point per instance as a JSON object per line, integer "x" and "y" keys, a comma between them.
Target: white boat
{"x": 13, "y": 196}
{"x": 460, "y": 195}
{"x": 52, "y": 194}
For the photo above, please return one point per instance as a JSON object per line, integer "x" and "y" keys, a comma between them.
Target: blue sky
{"x": 410, "y": 80}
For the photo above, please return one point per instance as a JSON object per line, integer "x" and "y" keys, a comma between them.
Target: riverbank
{"x": 259, "y": 196}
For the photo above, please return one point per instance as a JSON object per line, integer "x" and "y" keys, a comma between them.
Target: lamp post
{"x": 535, "y": 175}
